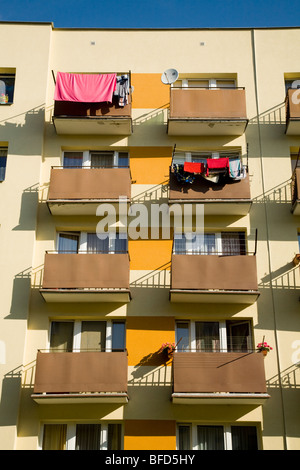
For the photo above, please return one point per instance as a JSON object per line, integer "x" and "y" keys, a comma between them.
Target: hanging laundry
{"x": 217, "y": 165}
{"x": 122, "y": 89}
{"x": 85, "y": 88}
{"x": 194, "y": 167}
{"x": 235, "y": 167}
{"x": 181, "y": 175}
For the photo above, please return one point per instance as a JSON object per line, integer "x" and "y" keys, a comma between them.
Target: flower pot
{"x": 264, "y": 352}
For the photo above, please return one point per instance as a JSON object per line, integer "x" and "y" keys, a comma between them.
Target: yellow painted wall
{"x": 149, "y": 254}
{"x": 150, "y": 165}
{"x": 149, "y": 91}
{"x": 145, "y": 335}
{"x": 150, "y": 435}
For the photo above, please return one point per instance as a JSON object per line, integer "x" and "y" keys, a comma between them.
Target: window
{"x": 205, "y": 83}
{"x": 209, "y": 336}
{"x": 225, "y": 243}
{"x": 95, "y": 159}
{"x": 84, "y": 242}
{"x": 7, "y": 86}
{"x": 90, "y": 335}
{"x": 3, "y": 158}
{"x": 82, "y": 436}
{"x": 292, "y": 83}
{"x": 216, "y": 437}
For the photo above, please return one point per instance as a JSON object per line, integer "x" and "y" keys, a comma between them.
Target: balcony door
{"x": 69, "y": 336}
{"x": 210, "y": 336}
{"x": 223, "y": 243}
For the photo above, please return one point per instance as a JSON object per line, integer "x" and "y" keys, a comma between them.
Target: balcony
{"x": 292, "y": 105}
{"x": 92, "y": 104}
{"x": 227, "y": 197}
{"x": 86, "y": 277}
{"x": 219, "y": 378}
{"x": 210, "y": 112}
{"x": 79, "y": 191}
{"x": 295, "y": 191}
{"x": 81, "y": 377}
{"x": 213, "y": 278}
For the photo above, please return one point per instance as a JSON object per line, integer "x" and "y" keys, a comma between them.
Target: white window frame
{"x": 86, "y": 157}
{"x": 227, "y": 434}
{"x": 78, "y": 329}
{"x": 192, "y": 333}
{"x": 71, "y": 434}
{"x": 82, "y": 248}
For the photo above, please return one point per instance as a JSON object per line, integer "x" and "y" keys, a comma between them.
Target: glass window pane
{"x": 207, "y": 336}
{"x": 182, "y": 336}
{"x": 210, "y": 437}
{"x": 226, "y": 83}
{"x": 238, "y": 336}
{"x": 244, "y": 438}
{"x": 93, "y": 335}
{"x": 184, "y": 437}
{"x": 68, "y": 243}
{"x": 118, "y": 336}
{"x": 54, "y": 437}
{"x": 96, "y": 244}
{"x": 198, "y": 83}
{"x": 61, "y": 338}
{"x": 7, "y": 86}
{"x": 72, "y": 160}
{"x": 114, "y": 437}
{"x": 102, "y": 160}
{"x": 88, "y": 436}
{"x": 233, "y": 243}
{"x": 123, "y": 160}
{"x": 119, "y": 242}
{"x": 179, "y": 243}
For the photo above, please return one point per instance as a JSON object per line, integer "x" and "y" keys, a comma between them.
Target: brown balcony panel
{"x": 92, "y": 118}
{"x": 293, "y": 112}
{"x": 207, "y": 112}
{"x": 86, "y": 277}
{"x": 78, "y": 191}
{"x": 81, "y": 376}
{"x": 214, "y": 278}
{"x": 219, "y": 377}
{"x": 230, "y": 198}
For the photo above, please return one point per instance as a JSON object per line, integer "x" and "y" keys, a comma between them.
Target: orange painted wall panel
{"x": 150, "y": 254}
{"x": 150, "y": 435}
{"x": 144, "y": 337}
{"x": 149, "y": 91}
{"x": 150, "y": 165}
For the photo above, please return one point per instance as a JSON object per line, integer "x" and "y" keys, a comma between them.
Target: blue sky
{"x": 154, "y": 14}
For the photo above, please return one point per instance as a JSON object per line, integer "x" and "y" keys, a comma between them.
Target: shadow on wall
{"x": 272, "y": 116}
{"x": 28, "y": 211}
{"x": 27, "y": 134}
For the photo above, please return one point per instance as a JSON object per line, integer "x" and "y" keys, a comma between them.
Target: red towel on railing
{"x": 193, "y": 167}
{"x": 85, "y": 88}
{"x": 216, "y": 163}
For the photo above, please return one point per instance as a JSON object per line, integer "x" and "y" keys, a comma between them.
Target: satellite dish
{"x": 169, "y": 76}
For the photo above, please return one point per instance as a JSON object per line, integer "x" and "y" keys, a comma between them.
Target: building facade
{"x": 98, "y": 271}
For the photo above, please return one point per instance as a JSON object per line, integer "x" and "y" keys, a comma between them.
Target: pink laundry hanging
{"x": 85, "y": 88}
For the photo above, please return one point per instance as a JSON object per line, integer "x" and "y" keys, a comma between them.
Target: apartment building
{"x": 99, "y": 129}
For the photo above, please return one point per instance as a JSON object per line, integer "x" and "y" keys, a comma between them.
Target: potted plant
{"x": 167, "y": 349}
{"x": 264, "y": 348}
